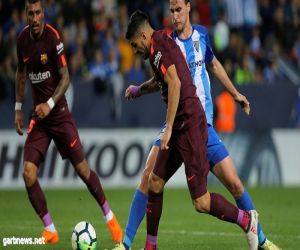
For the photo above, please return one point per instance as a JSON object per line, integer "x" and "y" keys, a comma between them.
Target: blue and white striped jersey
{"x": 197, "y": 50}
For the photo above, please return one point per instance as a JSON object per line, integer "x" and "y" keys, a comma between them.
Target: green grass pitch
{"x": 180, "y": 226}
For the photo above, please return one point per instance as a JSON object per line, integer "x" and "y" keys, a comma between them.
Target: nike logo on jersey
{"x": 189, "y": 178}
{"x": 26, "y": 59}
{"x": 72, "y": 144}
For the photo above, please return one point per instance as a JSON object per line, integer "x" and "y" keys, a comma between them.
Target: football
{"x": 84, "y": 237}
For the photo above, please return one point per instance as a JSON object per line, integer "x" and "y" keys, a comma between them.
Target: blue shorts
{"x": 216, "y": 150}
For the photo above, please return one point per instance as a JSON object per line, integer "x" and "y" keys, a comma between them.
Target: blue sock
{"x": 245, "y": 203}
{"x": 136, "y": 215}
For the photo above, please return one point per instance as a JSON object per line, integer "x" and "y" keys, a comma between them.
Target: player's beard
{"x": 36, "y": 30}
{"x": 145, "y": 55}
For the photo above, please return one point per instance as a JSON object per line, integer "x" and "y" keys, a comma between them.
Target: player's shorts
{"x": 60, "y": 127}
{"x": 216, "y": 150}
{"x": 188, "y": 146}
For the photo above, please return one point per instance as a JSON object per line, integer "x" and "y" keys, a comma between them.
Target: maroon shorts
{"x": 60, "y": 127}
{"x": 188, "y": 146}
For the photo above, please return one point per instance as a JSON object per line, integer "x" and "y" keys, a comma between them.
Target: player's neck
{"x": 186, "y": 32}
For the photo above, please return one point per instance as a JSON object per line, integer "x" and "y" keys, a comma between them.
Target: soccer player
{"x": 41, "y": 58}
{"x": 184, "y": 137}
{"x": 199, "y": 54}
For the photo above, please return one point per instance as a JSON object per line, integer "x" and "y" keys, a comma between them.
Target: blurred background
{"x": 257, "y": 41}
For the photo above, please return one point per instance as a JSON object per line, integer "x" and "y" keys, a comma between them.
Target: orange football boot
{"x": 50, "y": 237}
{"x": 115, "y": 230}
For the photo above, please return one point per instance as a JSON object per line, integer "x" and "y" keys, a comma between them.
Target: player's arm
{"x": 219, "y": 72}
{"x": 174, "y": 84}
{"x": 146, "y": 87}
{"x": 63, "y": 84}
{"x": 20, "y": 80}
{"x": 43, "y": 109}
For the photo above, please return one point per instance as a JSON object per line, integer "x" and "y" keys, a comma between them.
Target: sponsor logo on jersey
{"x": 157, "y": 57}
{"x": 195, "y": 64}
{"x": 196, "y": 45}
{"x": 59, "y": 48}
{"x": 39, "y": 77}
{"x": 44, "y": 58}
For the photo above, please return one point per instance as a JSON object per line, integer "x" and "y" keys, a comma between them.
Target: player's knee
{"x": 29, "y": 173}
{"x": 144, "y": 183}
{"x": 156, "y": 184}
{"x": 145, "y": 178}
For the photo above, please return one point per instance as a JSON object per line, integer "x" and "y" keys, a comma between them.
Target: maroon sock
{"x": 95, "y": 188}
{"x": 223, "y": 209}
{"x": 154, "y": 210}
{"x": 37, "y": 199}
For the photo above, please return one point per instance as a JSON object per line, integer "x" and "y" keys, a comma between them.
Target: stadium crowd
{"x": 248, "y": 37}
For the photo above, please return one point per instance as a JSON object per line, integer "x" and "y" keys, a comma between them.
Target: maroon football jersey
{"x": 164, "y": 52}
{"x": 42, "y": 59}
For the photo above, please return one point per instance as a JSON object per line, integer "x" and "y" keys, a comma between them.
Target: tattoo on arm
{"x": 20, "y": 85}
{"x": 150, "y": 86}
{"x": 62, "y": 85}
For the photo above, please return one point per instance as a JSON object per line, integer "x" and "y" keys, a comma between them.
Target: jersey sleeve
{"x": 166, "y": 53}
{"x": 209, "y": 54}
{"x": 58, "y": 49}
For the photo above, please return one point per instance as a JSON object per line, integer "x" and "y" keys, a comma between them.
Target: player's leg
{"x": 35, "y": 148}
{"x": 93, "y": 184}
{"x": 193, "y": 150}
{"x": 224, "y": 169}
{"x": 217, "y": 206}
{"x": 68, "y": 143}
{"x": 139, "y": 202}
{"x": 154, "y": 210}
{"x": 38, "y": 201}
{"x": 167, "y": 163}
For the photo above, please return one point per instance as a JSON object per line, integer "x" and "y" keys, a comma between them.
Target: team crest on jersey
{"x": 196, "y": 45}
{"x": 44, "y": 58}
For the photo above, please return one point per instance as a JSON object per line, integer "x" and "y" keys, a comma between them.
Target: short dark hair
{"x": 34, "y": 1}
{"x": 136, "y": 20}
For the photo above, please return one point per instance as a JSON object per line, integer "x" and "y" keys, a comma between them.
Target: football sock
{"x": 154, "y": 210}
{"x": 95, "y": 188}
{"x": 48, "y": 223}
{"x": 136, "y": 215}
{"x": 37, "y": 199}
{"x": 245, "y": 203}
{"x": 150, "y": 242}
{"x": 50, "y": 228}
{"x": 243, "y": 219}
{"x": 108, "y": 214}
{"x": 223, "y": 209}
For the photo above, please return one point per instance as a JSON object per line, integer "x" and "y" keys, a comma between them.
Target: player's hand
{"x": 19, "y": 122}
{"x": 164, "y": 139}
{"x": 42, "y": 110}
{"x": 245, "y": 104}
{"x": 132, "y": 92}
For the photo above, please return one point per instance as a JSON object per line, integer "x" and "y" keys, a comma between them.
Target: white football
{"x": 84, "y": 237}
